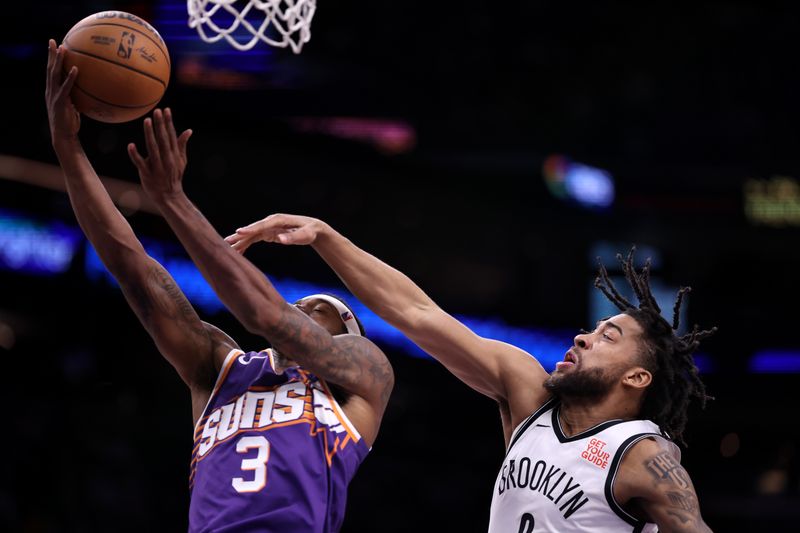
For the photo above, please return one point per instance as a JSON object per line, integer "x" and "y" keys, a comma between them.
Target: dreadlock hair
{"x": 666, "y": 355}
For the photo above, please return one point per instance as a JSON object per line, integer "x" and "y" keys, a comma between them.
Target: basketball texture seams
{"x": 123, "y": 66}
{"x": 101, "y": 58}
{"x": 143, "y": 34}
{"x": 148, "y": 105}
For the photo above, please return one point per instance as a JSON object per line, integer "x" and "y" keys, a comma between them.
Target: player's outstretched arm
{"x": 187, "y": 343}
{"x": 652, "y": 480}
{"x": 352, "y": 362}
{"x": 496, "y": 369}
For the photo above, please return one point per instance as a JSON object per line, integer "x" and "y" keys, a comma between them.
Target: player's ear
{"x": 637, "y": 377}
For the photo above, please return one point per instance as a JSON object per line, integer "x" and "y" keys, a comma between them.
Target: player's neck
{"x": 576, "y": 415}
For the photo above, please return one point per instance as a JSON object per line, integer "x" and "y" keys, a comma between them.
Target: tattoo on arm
{"x": 680, "y": 503}
{"x": 682, "y": 519}
{"x": 351, "y": 362}
{"x": 173, "y": 323}
{"x": 684, "y": 501}
{"x": 664, "y": 468}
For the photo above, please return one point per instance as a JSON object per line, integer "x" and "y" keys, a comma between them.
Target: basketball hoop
{"x": 243, "y": 23}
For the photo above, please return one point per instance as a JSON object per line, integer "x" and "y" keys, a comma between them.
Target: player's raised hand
{"x": 65, "y": 121}
{"x": 280, "y": 228}
{"x": 161, "y": 172}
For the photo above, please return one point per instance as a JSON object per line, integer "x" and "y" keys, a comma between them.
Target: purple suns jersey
{"x": 272, "y": 452}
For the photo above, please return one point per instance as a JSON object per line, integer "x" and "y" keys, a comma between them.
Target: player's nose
{"x": 582, "y": 340}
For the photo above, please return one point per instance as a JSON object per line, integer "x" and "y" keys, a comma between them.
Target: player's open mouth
{"x": 569, "y": 360}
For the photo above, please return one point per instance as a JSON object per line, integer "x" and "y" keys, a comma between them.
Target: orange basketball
{"x": 123, "y": 66}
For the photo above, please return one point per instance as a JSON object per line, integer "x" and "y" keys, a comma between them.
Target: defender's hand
{"x": 161, "y": 172}
{"x": 65, "y": 121}
{"x": 283, "y": 229}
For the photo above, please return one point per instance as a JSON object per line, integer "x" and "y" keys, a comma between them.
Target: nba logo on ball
{"x": 123, "y": 66}
{"x": 126, "y": 45}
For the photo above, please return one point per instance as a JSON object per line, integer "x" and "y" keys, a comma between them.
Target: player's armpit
{"x": 181, "y": 337}
{"x": 656, "y": 482}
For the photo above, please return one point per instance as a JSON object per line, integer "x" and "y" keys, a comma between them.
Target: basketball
{"x": 123, "y": 66}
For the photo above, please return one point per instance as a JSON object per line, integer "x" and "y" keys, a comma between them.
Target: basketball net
{"x": 243, "y": 23}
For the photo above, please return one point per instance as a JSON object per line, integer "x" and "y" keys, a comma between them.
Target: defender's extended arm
{"x": 496, "y": 369}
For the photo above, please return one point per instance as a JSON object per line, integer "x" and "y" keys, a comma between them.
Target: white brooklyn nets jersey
{"x": 551, "y": 482}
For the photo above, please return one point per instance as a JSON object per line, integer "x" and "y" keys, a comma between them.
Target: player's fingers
{"x": 242, "y": 246}
{"x": 150, "y": 140}
{"x": 277, "y": 220}
{"x": 171, "y": 133}
{"x": 160, "y": 127}
{"x": 66, "y": 87}
{"x": 182, "y": 141}
{"x": 58, "y": 66}
{"x": 51, "y": 56}
{"x": 249, "y": 229}
{"x": 54, "y": 68}
{"x": 252, "y": 228}
{"x": 136, "y": 157}
{"x": 239, "y": 241}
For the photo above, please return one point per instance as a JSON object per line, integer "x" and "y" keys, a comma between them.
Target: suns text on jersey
{"x": 549, "y": 480}
{"x": 264, "y": 409}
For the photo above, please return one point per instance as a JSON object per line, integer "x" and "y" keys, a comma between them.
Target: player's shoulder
{"x": 651, "y": 459}
{"x": 360, "y": 346}
{"x": 522, "y": 377}
{"x": 652, "y": 446}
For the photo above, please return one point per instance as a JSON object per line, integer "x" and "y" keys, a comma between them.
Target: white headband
{"x": 345, "y": 313}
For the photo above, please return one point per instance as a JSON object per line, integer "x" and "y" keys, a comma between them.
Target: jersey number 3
{"x": 257, "y": 464}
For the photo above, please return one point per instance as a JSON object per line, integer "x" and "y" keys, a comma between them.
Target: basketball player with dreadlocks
{"x": 589, "y": 446}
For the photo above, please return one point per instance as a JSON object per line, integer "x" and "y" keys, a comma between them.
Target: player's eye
{"x": 584, "y": 332}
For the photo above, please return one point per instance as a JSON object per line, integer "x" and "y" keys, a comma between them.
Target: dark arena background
{"x": 490, "y": 150}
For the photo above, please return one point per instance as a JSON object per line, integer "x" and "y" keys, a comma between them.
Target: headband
{"x": 347, "y": 316}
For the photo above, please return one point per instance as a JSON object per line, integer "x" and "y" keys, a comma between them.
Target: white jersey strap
{"x": 523, "y": 427}
{"x": 612, "y": 476}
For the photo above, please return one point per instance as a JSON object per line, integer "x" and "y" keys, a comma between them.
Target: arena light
{"x": 35, "y": 247}
{"x": 390, "y": 136}
{"x": 775, "y": 362}
{"x": 772, "y": 202}
{"x": 583, "y": 184}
